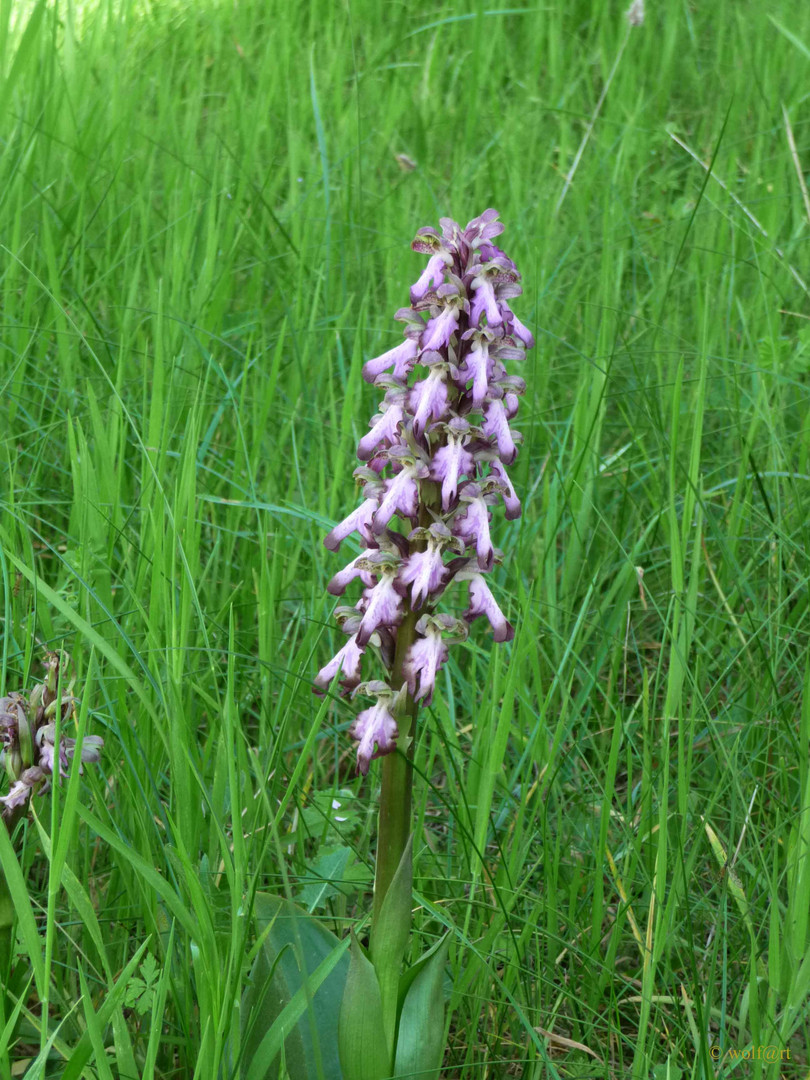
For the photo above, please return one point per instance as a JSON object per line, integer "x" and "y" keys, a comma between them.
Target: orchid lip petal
{"x": 347, "y": 662}
{"x": 425, "y": 656}
{"x": 482, "y": 602}
{"x": 358, "y": 521}
{"x": 401, "y": 358}
{"x": 384, "y": 609}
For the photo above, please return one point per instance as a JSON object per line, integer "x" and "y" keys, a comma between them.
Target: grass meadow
{"x": 205, "y": 217}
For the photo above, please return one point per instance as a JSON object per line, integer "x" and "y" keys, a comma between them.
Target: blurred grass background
{"x": 205, "y": 213}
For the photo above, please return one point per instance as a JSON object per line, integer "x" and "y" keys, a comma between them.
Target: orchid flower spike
{"x": 435, "y": 469}
{"x": 28, "y": 746}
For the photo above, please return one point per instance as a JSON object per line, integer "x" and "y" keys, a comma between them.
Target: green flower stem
{"x": 394, "y": 825}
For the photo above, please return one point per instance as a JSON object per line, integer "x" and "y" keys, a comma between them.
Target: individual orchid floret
{"x": 471, "y": 525}
{"x": 46, "y": 741}
{"x": 377, "y": 726}
{"x": 424, "y": 570}
{"x": 520, "y": 331}
{"x": 496, "y": 426}
{"x": 504, "y": 486}
{"x": 433, "y": 274}
{"x": 452, "y": 460}
{"x": 428, "y": 398}
{"x": 384, "y": 426}
{"x": 401, "y": 490}
{"x": 452, "y": 301}
{"x": 482, "y": 602}
{"x": 400, "y": 358}
{"x": 347, "y": 662}
{"x": 478, "y": 366}
{"x": 28, "y": 783}
{"x": 427, "y": 241}
{"x": 357, "y": 568}
{"x": 384, "y": 601}
{"x": 498, "y": 271}
{"x": 485, "y": 302}
{"x": 427, "y": 654}
{"x": 483, "y": 228}
{"x": 358, "y": 521}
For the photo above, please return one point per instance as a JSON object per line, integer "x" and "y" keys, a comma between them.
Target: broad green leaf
{"x": 293, "y": 998}
{"x": 409, "y": 975}
{"x": 329, "y": 867}
{"x": 363, "y": 1051}
{"x": 389, "y": 940}
{"x": 420, "y": 1039}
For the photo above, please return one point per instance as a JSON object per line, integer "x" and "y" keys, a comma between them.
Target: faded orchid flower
{"x": 434, "y": 469}
{"x": 28, "y": 750}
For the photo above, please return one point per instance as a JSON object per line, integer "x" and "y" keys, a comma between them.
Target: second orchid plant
{"x": 434, "y": 469}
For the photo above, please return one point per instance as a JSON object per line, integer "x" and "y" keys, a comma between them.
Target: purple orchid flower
{"x": 478, "y": 366}
{"x": 472, "y": 525}
{"x": 424, "y": 570}
{"x": 451, "y": 461}
{"x": 401, "y": 495}
{"x": 441, "y": 328}
{"x": 433, "y": 273}
{"x": 384, "y": 607}
{"x": 428, "y": 399}
{"x": 377, "y": 725}
{"x": 358, "y": 521}
{"x": 347, "y": 662}
{"x": 496, "y": 425}
{"x": 384, "y": 430}
{"x": 425, "y": 657}
{"x": 482, "y": 602}
{"x": 401, "y": 358}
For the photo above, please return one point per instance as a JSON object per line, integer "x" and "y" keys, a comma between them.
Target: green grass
{"x": 204, "y": 232}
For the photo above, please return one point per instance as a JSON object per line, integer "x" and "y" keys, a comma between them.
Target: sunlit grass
{"x": 205, "y": 228}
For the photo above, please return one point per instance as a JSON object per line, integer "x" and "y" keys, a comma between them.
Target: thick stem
{"x": 394, "y": 824}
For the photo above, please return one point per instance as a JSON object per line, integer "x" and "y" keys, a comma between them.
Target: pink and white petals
{"x": 401, "y": 358}
{"x": 384, "y": 430}
{"x": 375, "y": 729}
{"x": 482, "y": 602}
{"x": 440, "y": 329}
{"x": 504, "y": 486}
{"x": 496, "y": 426}
{"x": 450, "y": 463}
{"x": 401, "y": 496}
{"x": 358, "y": 521}
{"x": 428, "y": 399}
{"x": 384, "y": 607}
{"x": 472, "y": 525}
{"x": 432, "y": 275}
{"x": 425, "y": 657}
{"x": 347, "y": 662}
